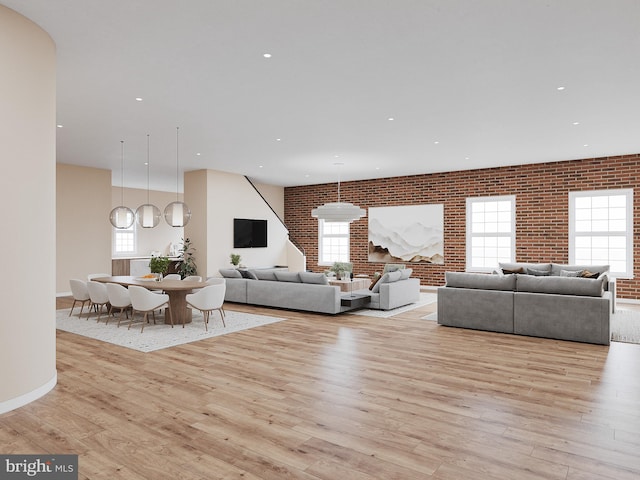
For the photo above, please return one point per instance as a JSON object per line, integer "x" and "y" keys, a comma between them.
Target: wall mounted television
{"x": 249, "y": 233}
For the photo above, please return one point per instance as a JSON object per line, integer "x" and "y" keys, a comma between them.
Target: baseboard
{"x": 628, "y": 300}
{"x": 23, "y": 400}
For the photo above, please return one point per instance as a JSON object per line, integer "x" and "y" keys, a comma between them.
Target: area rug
{"x": 156, "y": 337}
{"x": 425, "y": 299}
{"x": 625, "y": 325}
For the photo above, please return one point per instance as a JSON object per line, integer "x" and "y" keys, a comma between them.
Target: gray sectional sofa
{"x": 541, "y": 300}
{"x": 310, "y": 291}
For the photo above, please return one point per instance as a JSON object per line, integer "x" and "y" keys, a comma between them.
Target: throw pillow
{"x": 571, "y": 273}
{"x": 248, "y": 274}
{"x": 230, "y": 273}
{"x": 588, "y": 274}
{"x": 508, "y": 271}
{"x": 538, "y": 273}
{"x": 392, "y": 267}
{"x": 376, "y": 279}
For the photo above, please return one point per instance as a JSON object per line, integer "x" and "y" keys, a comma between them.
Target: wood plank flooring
{"x": 341, "y": 397}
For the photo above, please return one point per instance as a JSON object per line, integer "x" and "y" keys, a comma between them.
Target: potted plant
{"x": 235, "y": 259}
{"x": 340, "y": 269}
{"x": 187, "y": 265}
{"x": 159, "y": 265}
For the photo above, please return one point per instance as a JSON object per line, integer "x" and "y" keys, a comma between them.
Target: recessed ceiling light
{"x": 278, "y": 139}
{"x": 576, "y": 123}
{"x": 336, "y": 156}
{"x": 59, "y": 126}
{"x": 586, "y": 145}
{"x": 560, "y": 88}
{"x": 306, "y": 176}
{"x": 436, "y": 142}
{"x": 391, "y": 119}
{"x": 466, "y": 158}
{"x": 146, "y": 163}
{"x": 267, "y": 55}
{"x": 138, "y": 99}
{"x": 377, "y": 168}
{"x": 198, "y": 154}
{"x": 260, "y": 166}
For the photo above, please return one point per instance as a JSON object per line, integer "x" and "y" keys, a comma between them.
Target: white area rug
{"x": 156, "y": 337}
{"x": 625, "y": 325}
{"x": 425, "y": 299}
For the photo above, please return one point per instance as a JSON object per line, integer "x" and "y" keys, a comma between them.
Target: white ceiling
{"x": 469, "y": 83}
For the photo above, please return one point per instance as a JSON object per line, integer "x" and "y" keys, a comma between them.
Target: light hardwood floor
{"x": 341, "y": 397}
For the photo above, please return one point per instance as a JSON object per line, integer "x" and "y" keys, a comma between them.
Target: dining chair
{"x": 172, "y": 276}
{"x": 80, "y": 294}
{"x": 207, "y": 300}
{"x": 145, "y": 301}
{"x": 192, "y": 278}
{"x": 118, "y": 298}
{"x": 99, "y": 297}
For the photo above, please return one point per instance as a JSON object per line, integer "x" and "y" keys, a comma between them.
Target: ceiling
{"x": 384, "y": 87}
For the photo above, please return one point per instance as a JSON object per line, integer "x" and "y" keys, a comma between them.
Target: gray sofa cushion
{"x": 314, "y": 278}
{"x": 405, "y": 273}
{"x": 230, "y": 273}
{"x": 480, "y": 281}
{"x": 287, "y": 276}
{"x": 561, "y": 285}
{"x": 265, "y": 274}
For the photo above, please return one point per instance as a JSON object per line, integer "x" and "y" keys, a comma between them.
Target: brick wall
{"x": 542, "y": 217}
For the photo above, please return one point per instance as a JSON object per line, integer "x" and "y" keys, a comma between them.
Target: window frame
{"x": 115, "y": 231}
{"x": 470, "y": 201}
{"x": 322, "y": 235}
{"x": 627, "y": 233}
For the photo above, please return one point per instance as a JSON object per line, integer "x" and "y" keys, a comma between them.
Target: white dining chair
{"x": 145, "y": 301}
{"x": 118, "y": 298}
{"x": 207, "y": 300}
{"x": 80, "y": 294}
{"x": 192, "y": 278}
{"x": 99, "y": 297}
{"x": 172, "y": 276}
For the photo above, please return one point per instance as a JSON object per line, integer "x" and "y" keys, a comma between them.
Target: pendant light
{"x": 177, "y": 214}
{"x": 121, "y": 217}
{"x": 148, "y": 215}
{"x": 338, "y": 211}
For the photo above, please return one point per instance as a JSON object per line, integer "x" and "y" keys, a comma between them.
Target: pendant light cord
{"x": 177, "y": 169}
{"x": 122, "y": 172}
{"x": 148, "y": 162}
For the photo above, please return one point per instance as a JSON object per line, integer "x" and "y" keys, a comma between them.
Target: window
{"x": 491, "y": 236}
{"x": 333, "y": 242}
{"x": 124, "y": 240}
{"x": 601, "y": 229}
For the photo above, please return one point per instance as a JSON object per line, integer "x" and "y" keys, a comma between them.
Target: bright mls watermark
{"x": 51, "y": 467}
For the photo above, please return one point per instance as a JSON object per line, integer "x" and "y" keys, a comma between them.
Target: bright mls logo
{"x": 51, "y": 467}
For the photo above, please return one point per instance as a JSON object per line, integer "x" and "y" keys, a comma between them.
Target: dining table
{"x": 176, "y": 289}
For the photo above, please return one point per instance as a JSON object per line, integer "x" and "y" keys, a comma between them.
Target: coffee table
{"x": 355, "y": 300}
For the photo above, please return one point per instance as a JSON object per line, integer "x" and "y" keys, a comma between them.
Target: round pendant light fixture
{"x": 339, "y": 211}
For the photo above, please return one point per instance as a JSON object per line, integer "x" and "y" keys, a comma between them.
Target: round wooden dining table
{"x": 176, "y": 289}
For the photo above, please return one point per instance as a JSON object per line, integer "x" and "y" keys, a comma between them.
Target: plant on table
{"x": 340, "y": 269}
{"x": 187, "y": 263}
{"x": 159, "y": 265}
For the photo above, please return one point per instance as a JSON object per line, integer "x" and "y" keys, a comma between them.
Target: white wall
{"x": 27, "y": 193}
{"x": 229, "y": 196}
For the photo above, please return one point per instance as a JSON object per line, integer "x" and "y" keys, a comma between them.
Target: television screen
{"x": 248, "y": 233}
